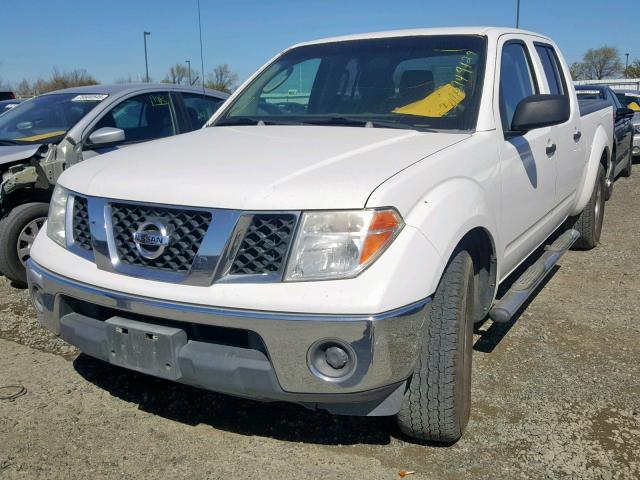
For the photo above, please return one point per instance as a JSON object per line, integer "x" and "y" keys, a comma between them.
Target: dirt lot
{"x": 556, "y": 394}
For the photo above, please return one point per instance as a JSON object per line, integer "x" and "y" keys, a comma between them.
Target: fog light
{"x": 36, "y": 299}
{"x": 331, "y": 360}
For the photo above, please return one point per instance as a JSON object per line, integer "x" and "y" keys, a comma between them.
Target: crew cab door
{"x": 143, "y": 117}
{"x": 570, "y": 156}
{"x": 527, "y": 161}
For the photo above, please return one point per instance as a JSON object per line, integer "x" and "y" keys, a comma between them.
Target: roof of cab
{"x": 484, "y": 31}
{"x": 122, "y": 88}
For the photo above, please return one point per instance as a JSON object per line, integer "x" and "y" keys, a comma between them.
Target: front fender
{"x": 600, "y": 146}
{"x": 448, "y": 212}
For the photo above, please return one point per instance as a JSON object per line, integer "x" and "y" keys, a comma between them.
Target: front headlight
{"x": 340, "y": 244}
{"x": 56, "y": 223}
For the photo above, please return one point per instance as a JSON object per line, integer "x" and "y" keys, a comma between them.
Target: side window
{"x": 517, "y": 80}
{"x": 200, "y": 108}
{"x": 144, "y": 117}
{"x": 552, "y": 69}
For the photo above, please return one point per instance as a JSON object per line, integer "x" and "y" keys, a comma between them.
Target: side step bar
{"x": 505, "y": 308}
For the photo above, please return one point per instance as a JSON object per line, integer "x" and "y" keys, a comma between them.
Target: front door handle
{"x": 577, "y": 136}
{"x": 551, "y": 149}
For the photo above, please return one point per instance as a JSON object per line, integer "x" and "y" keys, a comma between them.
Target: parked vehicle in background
{"x": 6, "y": 94}
{"x": 338, "y": 252}
{"x": 40, "y": 138}
{"x": 623, "y": 131}
{"x": 6, "y": 105}
{"x": 631, "y": 99}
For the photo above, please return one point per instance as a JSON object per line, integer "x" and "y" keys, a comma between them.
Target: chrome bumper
{"x": 385, "y": 345}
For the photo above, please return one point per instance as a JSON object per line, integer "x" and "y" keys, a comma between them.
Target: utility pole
{"x": 146, "y": 61}
{"x": 518, "y": 14}
{"x": 626, "y": 67}
{"x": 189, "y": 64}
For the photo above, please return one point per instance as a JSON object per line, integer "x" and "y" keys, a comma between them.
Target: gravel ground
{"x": 556, "y": 394}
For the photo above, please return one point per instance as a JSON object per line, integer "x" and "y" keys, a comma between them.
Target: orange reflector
{"x": 383, "y": 226}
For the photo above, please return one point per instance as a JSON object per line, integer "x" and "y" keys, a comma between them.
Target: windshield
{"x": 46, "y": 118}
{"x": 629, "y": 101}
{"x": 421, "y": 82}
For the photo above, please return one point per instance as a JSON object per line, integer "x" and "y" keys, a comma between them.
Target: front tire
{"x": 17, "y": 233}
{"x": 437, "y": 405}
{"x": 589, "y": 222}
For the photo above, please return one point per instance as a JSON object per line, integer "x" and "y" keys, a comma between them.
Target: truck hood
{"x": 258, "y": 167}
{"x": 15, "y": 153}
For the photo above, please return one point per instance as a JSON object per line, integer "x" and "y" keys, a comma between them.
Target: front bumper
{"x": 270, "y": 363}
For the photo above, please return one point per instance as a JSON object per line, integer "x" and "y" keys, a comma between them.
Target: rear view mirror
{"x": 106, "y": 135}
{"x": 537, "y": 111}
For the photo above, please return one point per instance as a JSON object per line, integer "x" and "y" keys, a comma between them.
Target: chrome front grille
{"x": 80, "y": 224}
{"x": 187, "y": 229}
{"x": 182, "y": 245}
{"x": 265, "y": 245}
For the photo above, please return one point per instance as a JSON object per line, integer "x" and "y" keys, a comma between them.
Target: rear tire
{"x": 589, "y": 222}
{"x": 437, "y": 405}
{"x": 17, "y": 233}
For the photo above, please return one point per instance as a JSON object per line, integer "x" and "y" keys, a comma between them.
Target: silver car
{"x": 42, "y": 137}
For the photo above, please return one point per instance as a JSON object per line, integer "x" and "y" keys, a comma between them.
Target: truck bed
{"x": 590, "y": 106}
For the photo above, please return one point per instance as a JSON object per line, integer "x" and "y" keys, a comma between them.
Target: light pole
{"x": 626, "y": 67}
{"x": 189, "y": 64}
{"x": 146, "y": 61}
{"x": 518, "y": 14}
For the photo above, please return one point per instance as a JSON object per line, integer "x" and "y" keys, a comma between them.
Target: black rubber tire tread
{"x": 10, "y": 229}
{"x": 586, "y": 222}
{"x": 627, "y": 170}
{"x": 437, "y": 404}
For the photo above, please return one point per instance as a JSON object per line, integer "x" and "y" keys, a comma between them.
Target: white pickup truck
{"x": 334, "y": 234}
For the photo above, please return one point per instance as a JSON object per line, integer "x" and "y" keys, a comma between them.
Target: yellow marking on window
{"x": 42, "y": 136}
{"x": 437, "y": 104}
{"x": 634, "y": 106}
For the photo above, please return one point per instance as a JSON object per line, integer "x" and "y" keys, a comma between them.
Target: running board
{"x": 505, "y": 308}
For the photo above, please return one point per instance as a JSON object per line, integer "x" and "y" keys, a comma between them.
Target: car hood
{"x": 258, "y": 167}
{"x": 15, "y": 153}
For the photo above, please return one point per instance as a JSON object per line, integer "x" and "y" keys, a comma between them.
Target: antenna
{"x": 201, "y": 55}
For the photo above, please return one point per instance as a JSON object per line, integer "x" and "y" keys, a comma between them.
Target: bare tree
{"x": 179, "y": 74}
{"x": 603, "y": 62}
{"x": 633, "y": 71}
{"x": 57, "y": 80}
{"x": 222, "y": 78}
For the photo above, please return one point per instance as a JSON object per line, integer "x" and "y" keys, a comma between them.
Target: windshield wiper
{"x": 10, "y": 142}
{"x": 360, "y": 122}
{"x": 241, "y": 121}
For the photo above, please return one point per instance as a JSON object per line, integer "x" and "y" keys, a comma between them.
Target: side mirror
{"x": 537, "y": 111}
{"x": 624, "y": 113}
{"x": 106, "y": 135}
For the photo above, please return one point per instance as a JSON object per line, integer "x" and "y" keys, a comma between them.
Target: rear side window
{"x": 552, "y": 69}
{"x": 200, "y": 108}
{"x": 517, "y": 80}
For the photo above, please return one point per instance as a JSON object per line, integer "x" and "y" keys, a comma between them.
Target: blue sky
{"x": 106, "y": 37}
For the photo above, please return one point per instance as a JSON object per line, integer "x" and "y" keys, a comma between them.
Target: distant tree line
{"x": 604, "y": 62}
{"x": 220, "y": 78}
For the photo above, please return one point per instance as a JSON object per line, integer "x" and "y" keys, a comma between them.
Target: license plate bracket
{"x": 146, "y": 348}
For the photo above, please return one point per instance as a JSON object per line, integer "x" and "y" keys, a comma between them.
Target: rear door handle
{"x": 577, "y": 136}
{"x": 551, "y": 149}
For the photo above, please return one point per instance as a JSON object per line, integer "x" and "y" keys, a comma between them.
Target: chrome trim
{"x": 68, "y": 222}
{"x": 212, "y": 263}
{"x": 386, "y": 344}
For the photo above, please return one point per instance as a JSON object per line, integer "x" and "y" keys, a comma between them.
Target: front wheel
{"x": 437, "y": 405}
{"x": 18, "y": 231}
{"x": 589, "y": 222}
